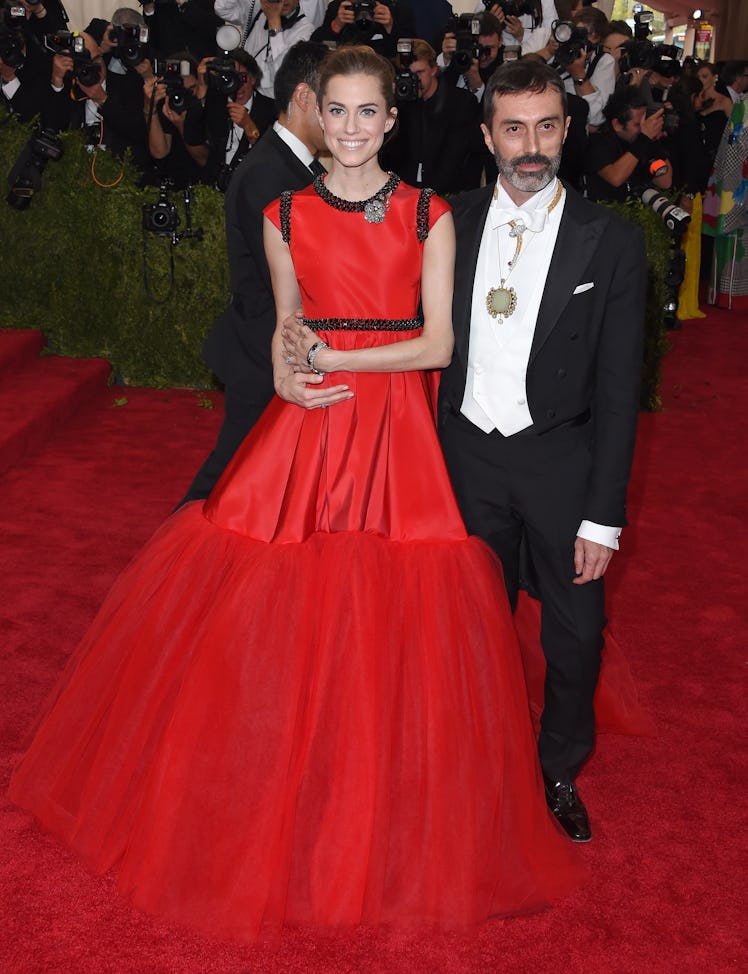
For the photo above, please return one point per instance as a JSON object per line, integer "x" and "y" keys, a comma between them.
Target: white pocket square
{"x": 584, "y": 287}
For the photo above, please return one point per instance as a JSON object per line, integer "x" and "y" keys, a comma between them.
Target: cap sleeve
{"x": 430, "y": 208}
{"x": 279, "y": 214}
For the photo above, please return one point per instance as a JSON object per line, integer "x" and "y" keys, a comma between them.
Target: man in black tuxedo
{"x": 538, "y": 409}
{"x": 238, "y": 346}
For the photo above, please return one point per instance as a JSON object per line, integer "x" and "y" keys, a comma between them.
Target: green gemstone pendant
{"x": 501, "y": 301}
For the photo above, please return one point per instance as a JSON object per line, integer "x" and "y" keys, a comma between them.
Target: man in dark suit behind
{"x": 238, "y": 346}
{"x": 538, "y": 409}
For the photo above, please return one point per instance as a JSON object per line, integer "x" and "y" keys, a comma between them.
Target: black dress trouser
{"x": 534, "y": 486}
{"x": 242, "y": 409}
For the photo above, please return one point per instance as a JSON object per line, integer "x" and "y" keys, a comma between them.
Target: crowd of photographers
{"x": 187, "y": 86}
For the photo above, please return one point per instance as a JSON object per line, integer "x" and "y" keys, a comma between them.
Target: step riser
{"x": 18, "y": 350}
{"x": 40, "y": 395}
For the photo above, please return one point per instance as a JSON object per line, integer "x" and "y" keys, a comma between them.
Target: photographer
{"x": 107, "y": 99}
{"x": 459, "y": 64}
{"x": 438, "y": 141}
{"x": 617, "y": 35}
{"x": 170, "y": 105}
{"x": 24, "y": 67}
{"x": 270, "y": 27}
{"x": 627, "y": 152}
{"x": 43, "y": 16}
{"x": 183, "y": 25}
{"x": 591, "y": 73}
{"x": 378, "y": 23}
{"x": 234, "y": 116}
{"x": 526, "y": 23}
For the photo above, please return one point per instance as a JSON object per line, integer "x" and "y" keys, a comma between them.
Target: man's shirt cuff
{"x": 599, "y": 533}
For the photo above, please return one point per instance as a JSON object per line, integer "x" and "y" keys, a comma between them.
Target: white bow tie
{"x": 523, "y": 220}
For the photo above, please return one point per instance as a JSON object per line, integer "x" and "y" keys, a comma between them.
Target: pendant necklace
{"x": 501, "y": 301}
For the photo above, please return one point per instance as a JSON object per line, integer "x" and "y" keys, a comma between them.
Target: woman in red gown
{"x": 303, "y": 702}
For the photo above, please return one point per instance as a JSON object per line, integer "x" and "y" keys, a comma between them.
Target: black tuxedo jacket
{"x": 587, "y": 349}
{"x": 238, "y": 346}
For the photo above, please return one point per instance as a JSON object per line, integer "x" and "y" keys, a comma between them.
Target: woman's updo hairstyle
{"x": 358, "y": 59}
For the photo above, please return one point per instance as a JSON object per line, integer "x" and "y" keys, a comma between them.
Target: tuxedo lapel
{"x": 302, "y": 173}
{"x": 578, "y": 237}
{"x": 470, "y": 217}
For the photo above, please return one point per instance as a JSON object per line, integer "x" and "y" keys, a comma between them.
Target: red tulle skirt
{"x": 329, "y": 731}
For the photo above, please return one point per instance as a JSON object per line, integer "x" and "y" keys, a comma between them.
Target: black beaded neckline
{"x": 355, "y": 206}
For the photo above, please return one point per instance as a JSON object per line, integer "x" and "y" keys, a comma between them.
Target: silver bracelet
{"x": 312, "y": 354}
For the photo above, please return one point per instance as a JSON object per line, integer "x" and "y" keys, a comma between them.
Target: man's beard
{"x": 528, "y": 182}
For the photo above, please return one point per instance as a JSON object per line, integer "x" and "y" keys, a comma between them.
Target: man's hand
{"x": 241, "y": 117}
{"x": 578, "y": 67}
{"x": 472, "y": 76}
{"x": 62, "y": 65}
{"x": 498, "y": 13}
{"x": 637, "y": 75}
{"x": 144, "y": 69}
{"x": 305, "y": 391}
{"x": 176, "y": 118}
{"x": 273, "y": 13}
{"x": 652, "y": 125}
{"x": 515, "y": 28}
{"x": 151, "y": 91}
{"x": 590, "y": 560}
{"x": 449, "y": 46}
{"x": 344, "y": 15}
{"x": 96, "y": 92}
{"x": 383, "y": 16}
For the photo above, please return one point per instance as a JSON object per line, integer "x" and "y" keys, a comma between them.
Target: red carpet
{"x": 87, "y": 481}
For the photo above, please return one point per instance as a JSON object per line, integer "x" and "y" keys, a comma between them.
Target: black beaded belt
{"x": 363, "y": 324}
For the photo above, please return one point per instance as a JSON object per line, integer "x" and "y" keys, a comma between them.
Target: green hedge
{"x": 73, "y": 266}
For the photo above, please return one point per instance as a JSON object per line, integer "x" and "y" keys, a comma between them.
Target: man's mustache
{"x": 531, "y": 161}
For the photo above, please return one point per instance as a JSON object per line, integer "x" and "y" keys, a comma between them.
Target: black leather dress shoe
{"x": 564, "y": 801}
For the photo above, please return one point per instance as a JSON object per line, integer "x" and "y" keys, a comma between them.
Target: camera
{"x": 11, "y": 38}
{"x": 171, "y": 72}
{"x": 637, "y": 54}
{"x": 11, "y": 48}
{"x": 674, "y": 218}
{"x": 516, "y": 8}
{"x": 642, "y": 20}
{"x": 161, "y": 217}
{"x": 407, "y": 85}
{"x": 670, "y": 117}
{"x": 72, "y": 44}
{"x": 667, "y": 60}
{"x": 223, "y": 77}
{"x": 572, "y": 41}
{"x": 363, "y": 14}
{"x": 466, "y": 29}
{"x": 25, "y": 177}
{"x": 132, "y": 43}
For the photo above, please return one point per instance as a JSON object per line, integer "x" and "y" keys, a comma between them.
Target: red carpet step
{"x": 40, "y": 394}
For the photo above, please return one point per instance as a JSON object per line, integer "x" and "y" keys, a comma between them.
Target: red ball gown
{"x": 303, "y": 702}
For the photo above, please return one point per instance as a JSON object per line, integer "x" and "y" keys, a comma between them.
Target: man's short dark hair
{"x": 618, "y": 27}
{"x": 300, "y": 66}
{"x": 593, "y": 19}
{"x": 489, "y": 24}
{"x": 732, "y": 71}
{"x": 621, "y": 104}
{"x": 515, "y": 77}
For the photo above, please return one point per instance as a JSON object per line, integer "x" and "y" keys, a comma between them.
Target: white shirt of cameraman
{"x": 531, "y": 39}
